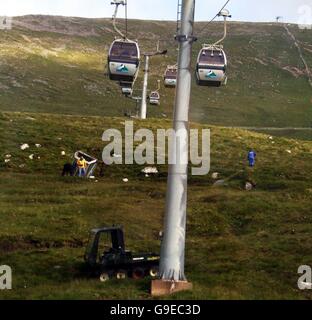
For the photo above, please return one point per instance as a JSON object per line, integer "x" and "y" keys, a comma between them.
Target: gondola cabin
{"x": 170, "y": 77}
{"x": 154, "y": 98}
{"x": 123, "y": 60}
{"x": 211, "y": 67}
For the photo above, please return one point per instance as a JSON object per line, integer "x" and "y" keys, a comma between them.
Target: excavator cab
{"x": 105, "y": 244}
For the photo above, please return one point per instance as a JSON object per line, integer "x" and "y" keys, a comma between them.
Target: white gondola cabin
{"x": 170, "y": 77}
{"x": 123, "y": 60}
{"x": 211, "y": 66}
{"x": 154, "y": 98}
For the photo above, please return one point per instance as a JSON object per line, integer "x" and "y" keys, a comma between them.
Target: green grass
{"x": 240, "y": 245}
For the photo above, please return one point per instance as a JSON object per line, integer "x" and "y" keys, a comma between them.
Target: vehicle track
{"x": 300, "y": 54}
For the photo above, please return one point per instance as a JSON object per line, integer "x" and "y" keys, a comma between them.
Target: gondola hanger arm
{"x": 117, "y": 3}
{"x": 225, "y": 14}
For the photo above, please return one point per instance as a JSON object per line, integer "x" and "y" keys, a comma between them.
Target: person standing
{"x": 252, "y": 158}
{"x": 82, "y": 166}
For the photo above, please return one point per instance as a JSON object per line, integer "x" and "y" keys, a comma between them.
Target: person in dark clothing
{"x": 102, "y": 169}
{"x": 68, "y": 169}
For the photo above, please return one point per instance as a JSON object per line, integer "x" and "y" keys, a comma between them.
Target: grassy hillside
{"x": 240, "y": 245}
{"x": 56, "y": 65}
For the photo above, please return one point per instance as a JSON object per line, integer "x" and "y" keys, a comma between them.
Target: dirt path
{"x": 300, "y": 54}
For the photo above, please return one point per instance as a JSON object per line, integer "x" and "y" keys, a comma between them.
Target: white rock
{"x": 31, "y": 157}
{"x": 8, "y": 156}
{"x": 63, "y": 153}
{"x": 30, "y": 118}
{"x": 150, "y": 170}
{"x": 288, "y": 151}
{"x": 38, "y": 145}
{"x": 125, "y": 180}
{"x": 24, "y": 146}
{"x": 146, "y": 176}
{"x": 248, "y": 186}
{"x": 215, "y": 175}
{"x": 7, "y": 160}
{"x": 92, "y": 177}
{"x": 219, "y": 183}
{"x": 271, "y": 138}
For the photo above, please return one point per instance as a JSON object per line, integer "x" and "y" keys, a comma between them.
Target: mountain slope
{"x": 56, "y": 65}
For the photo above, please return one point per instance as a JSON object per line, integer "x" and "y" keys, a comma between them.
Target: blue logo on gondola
{"x": 122, "y": 68}
{"x": 211, "y": 75}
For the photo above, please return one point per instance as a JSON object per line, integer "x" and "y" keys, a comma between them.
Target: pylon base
{"x": 167, "y": 287}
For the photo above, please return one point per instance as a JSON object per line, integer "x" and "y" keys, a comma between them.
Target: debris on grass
{"x": 38, "y": 145}
{"x": 125, "y": 180}
{"x": 63, "y": 153}
{"x": 24, "y": 146}
{"x": 8, "y": 156}
{"x": 7, "y": 160}
{"x": 219, "y": 183}
{"x": 215, "y": 175}
{"x": 248, "y": 186}
{"x": 57, "y": 267}
{"x": 288, "y": 151}
{"x": 31, "y": 157}
{"x": 30, "y": 118}
{"x": 150, "y": 170}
